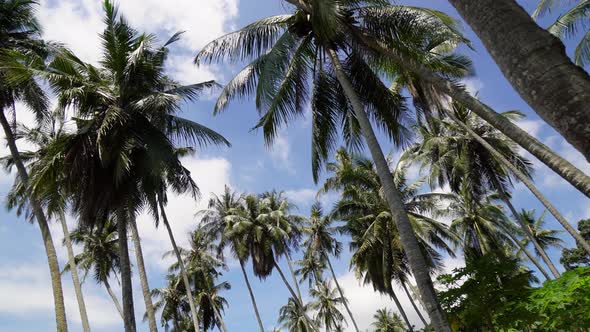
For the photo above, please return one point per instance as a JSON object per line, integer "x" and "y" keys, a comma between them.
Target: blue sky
{"x": 25, "y": 300}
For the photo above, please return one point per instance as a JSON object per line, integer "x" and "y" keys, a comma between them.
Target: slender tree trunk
{"x": 126, "y": 283}
{"x": 401, "y": 310}
{"x": 559, "y": 165}
{"x": 290, "y": 264}
{"x": 536, "y": 64}
{"x": 356, "y": 327}
{"x": 74, "y": 273}
{"x": 222, "y": 327}
{"x": 528, "y": 254}
{"x": 252, "y": 298}
{"x": 403, "y": 283}
{"x": 307, "y": 318}
{"x": 113, "y": 297}
{"x": 54, "y": 271}
{"x": 527, "y": 182}
{"x": 187, "y": 285}
{"x": 527, "y": 230}
{"x": 145, "y": 287}
{"x": 409, "y": 241}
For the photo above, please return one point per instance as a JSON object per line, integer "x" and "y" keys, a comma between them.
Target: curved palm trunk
{"x": 403, "y": 283}
{"x": 356, "y": 327}
{"x": 54, "y": 271}
{"x": 527, "y": 230}
{"x": 528, "y": 183}
{"x": 187, "y": 285}
{"x": 536, "y": 64}
{"x": 113, "y": 297}
{"x": 527, "y": 253}
{"x": 543, "y": 153}
{"x": 290, "y": 264}
{"x": 126, "y": 283}
{"x": 308, "y": 320}
{"x": 252, "y": 298}
{"x": 74, "y": 273}
{"x": 145, "y": 288}
{"x": 222, "y": 328}
{"x": 401, "y": 309}
{"x": 417, "y": 261}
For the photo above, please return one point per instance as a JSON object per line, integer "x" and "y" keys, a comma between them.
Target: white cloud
{"x": 301, "y": 196}
{"x": 280, "y": 153}
{"x": 532, "y": 127}
{"x": 473, "y": 85}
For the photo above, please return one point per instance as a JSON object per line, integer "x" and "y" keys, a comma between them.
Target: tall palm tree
{"x": 454, "y": 154}
{"x": 171, "y": 301}
{"x": 126, "y": 113}
{"x": 568, "y": 25}
{"x": 293, "y": 317}
{"x": 378, "y": 253}
{"x": 100, "y": 255}
{"x": 387, "y": 321}
{"x": 545, "y": 77}
{"x": 311, "y": 267}
{"x": 326, "y": 303}
{"x": 218, "y": 220}
{"x": 320, "y": 240}
{"x": 546, "y": 238}
{"x": 318, "y": 43}
{"x": 54, "y": 202}
{"x": 20, "y": 32}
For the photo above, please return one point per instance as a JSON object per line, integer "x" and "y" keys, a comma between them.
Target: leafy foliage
{"x": 572, "y": 258}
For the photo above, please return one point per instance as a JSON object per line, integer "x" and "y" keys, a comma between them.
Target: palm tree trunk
{"x": 300, "y": 303}
{"x": 403, "y": 283}
{"x": 290, "y": 264}
{"x": 401, "y": 310}
{"x": 187, "y": 285}
{"x": 252, "y": 298}
{"x": 222, "y": 328}
{"x": 356, "y": 327}
{"x": 526, "y": 229}
{"x": 528, "y": 254}
{"x": 527, "y": 182}
{"x": 562, "y": 167}
{"x": 536, "y": 64}
{"x": 74, "y": 273}
{"x": 54, "y": 271}
{"x": 126, "y": 283}
{"x": 410, "y": 243}
{"x": 145, "y": 288}
{"x": 113, "y": 297}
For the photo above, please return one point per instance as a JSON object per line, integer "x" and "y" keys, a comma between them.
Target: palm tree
{"x": 546, "y": 238}
{"x": 546, "y": 78}
{"x": 126, "y": 113}
{"x": 20, "y": 33}
{"x": 327, "y": 300}
{"x": 455, "y": 154}
{"x": 218, "y": 221}
{"x": 54, "y": 202}
{"x": 568, "y": 25}
{"x": 171, "y": 301}
{"x": 321, "y": 241}
{"x": 387, "y": 321}
{"x": 318, "y": 42}
{"x": 292, "y": 316}
{"x": 311, "y": 267}
{"x": 377, "y": 251}
{"x": 100, "y": 255}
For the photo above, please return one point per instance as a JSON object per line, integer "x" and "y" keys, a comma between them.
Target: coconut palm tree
{"x": 126, "y": 114}
{"x": 54, "y": 202}
{"x": 569, "y": 24}
{"x": 377, "y": 252}
{"x": 319, "y": 43}
{"x": 20, "y": 33}
{"x": 554, "y": 87}
{"x": 320, "y": 241}
{"x": 326, "y": 303}
{"x": 218, "y": 221}
{"x": 311, "y": 267}
{"x": 387, "y": 321}
{"x": 171, "y": 301}
{"x": 546, "y": 238}
{"x": 455, "y": 156}
{"x": 100, "y": 255}
{"x": 293, "y": 317}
